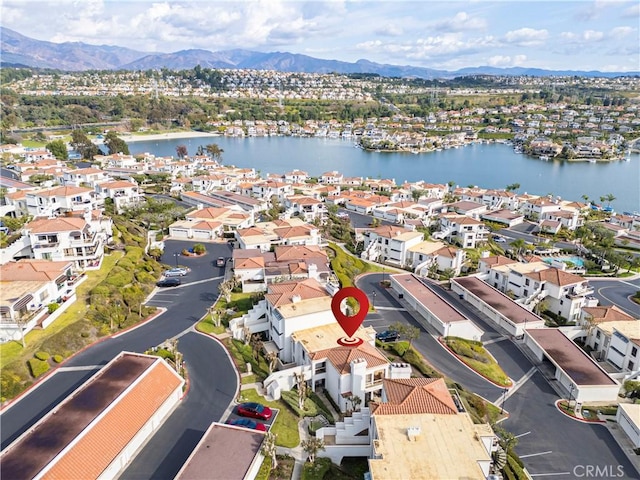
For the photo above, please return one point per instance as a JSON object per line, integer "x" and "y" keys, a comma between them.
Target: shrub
{"x": 58, "y": 358}
{"x": 42, "y": 355}
{"x": 401, "y": 347}
{"x": 52, "y": 307}
{"x": 199, "y": 249}
{"x": 37, "y": 367}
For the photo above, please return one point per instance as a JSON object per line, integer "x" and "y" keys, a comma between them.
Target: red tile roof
{"x": 283, "y": 293}
{"x": 341, "y": 357}
{"x": 607, "y": 313}
{"x": 413, "y": 396}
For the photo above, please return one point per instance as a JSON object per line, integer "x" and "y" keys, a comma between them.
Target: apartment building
{"x": 462, "y": 230}
{"x": 389, "y": 244}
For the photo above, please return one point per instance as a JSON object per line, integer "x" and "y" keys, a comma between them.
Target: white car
{"x": 176, "y": 272}
{"x": 498, "y": 239}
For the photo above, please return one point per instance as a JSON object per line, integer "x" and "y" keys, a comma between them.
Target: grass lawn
{"x": 316, "y": 470}
{"x": 240, "y": 302}
{"x": 13, "y": 351}
{"x": 206, "y": 325}
{"x": 286, "y": 424}
{"x": 243, "y": 354}
{"x": 347, "y": 267}
{"x": 474, "y": 355}
{"x": 313, "y": 405}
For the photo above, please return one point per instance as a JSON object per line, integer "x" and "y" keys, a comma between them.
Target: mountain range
{"x": 20, "y": 50}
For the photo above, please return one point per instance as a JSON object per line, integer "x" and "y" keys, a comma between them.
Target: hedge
{"x": 58, "y": 358}
{"x": 37, "y": 367}
{"x": 42, "y": 355}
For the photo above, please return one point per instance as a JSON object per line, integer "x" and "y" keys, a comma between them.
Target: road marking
{"x": 80, "y": 369}
{"x": 397, "y": 309}
{"x": 495, "y": 340}
{"x": 522, "y": 435}
{"x": 614, "y": 303}
{"x": 518, "y": 384}
{"x": 536, "y": 454}
{"x": 548, "y": 474}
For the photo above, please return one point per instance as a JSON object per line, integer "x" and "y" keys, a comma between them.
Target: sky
{"x": 579, "y": 34}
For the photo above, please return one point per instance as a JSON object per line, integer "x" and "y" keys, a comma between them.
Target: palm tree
{"x": 214, "y": 150}
{"x": 518, "y": 244}
{"x": 609, "y": 197}
{"x": 586, "y": 199}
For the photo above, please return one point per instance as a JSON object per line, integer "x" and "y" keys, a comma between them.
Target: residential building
{"x": 123, "y": 194}
{"x": 279, "y": 232}
{"x": 84, "y": 177}
{"x": 430, "y": 257}
{"x": 286, "y": 308}
{"x": 57, "y": 201}
{"x": 419, "y": 415}
{"x": 462, "y": 230}
{"x": 28, "y": 287}
{"x": 307, "y": 208}
{"x": 628, "y": 418}
{"x": 70, "y": 239}
{"x": 389, "y": 244}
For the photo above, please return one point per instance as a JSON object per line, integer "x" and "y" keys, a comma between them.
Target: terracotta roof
{"x": 61, "y": 191}
{"x": 555, "y": 276}
{"x": 118, "y": 184}
{"x": 252, "y": 263}
{"x": 289, "y": 232}
{"x": 607, "y": 313}
{"x": 298, "y": 252}
{"x": 32, "y": 270}
{"x": 415, "y": 396}
{"x": 89, "y": 429}
{"x": 341, "y": 357}
{"x": 59, "y": 224}
{"x": 283, "y": 293}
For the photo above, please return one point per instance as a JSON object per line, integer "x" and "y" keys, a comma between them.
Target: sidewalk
{"x": 622, "y": 440}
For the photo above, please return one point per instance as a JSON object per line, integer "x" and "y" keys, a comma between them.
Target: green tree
{"x": 115, "y": 144}
{"x": 269, "y": 449}
{"x": 512, "y": 187}
{"x": 83, "y": 145}
{"x": 58, "y": 149}
{"x": 312, "y": 446}
{"x": 214, "y": 150}
{"x": 181, "y": 151}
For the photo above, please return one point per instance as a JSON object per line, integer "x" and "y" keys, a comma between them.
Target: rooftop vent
{"x": 296, "y": 299}
{"x": 413, "y": 433}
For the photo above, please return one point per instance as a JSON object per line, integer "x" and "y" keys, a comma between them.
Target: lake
{"x": 485, "y": 165}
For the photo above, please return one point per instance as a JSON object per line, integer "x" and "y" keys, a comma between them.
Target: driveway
{"x": 212, "y": 376}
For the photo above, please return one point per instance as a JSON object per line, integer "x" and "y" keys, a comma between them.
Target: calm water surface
{"x": 485, "y": 165}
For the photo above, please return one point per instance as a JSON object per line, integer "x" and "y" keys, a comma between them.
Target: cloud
{"x": 633, "y": 11}
{"x": 620, "y": 32}
{"x": 389, "y": 30}
{"x": 461, "y": 22}
{"x": 527, "y": 37}
{"x": 506, "y": 60}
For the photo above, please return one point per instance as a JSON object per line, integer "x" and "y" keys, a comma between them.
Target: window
{"x": 321, "y": 367}
{"x": 496, "y": 275}
{"x": 526, "y": 282}
{"x": 526, "y": 292}
{"x": 597, "y": 333}
{"x": 634, "y": 351}
{"x": 630, "y": 365}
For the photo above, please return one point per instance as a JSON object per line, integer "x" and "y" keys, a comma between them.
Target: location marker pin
{"x": 350, "y": 324}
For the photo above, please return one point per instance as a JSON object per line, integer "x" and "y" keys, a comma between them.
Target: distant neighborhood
{"x": 443, "y": 251}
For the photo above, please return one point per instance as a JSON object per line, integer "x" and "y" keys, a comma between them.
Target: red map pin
{"x": 350, "y": 324}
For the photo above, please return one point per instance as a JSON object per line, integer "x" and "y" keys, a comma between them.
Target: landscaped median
{"x": 347, "y": 267}
{"x": 475, "y": 356}
{"x": 564, "y": 407}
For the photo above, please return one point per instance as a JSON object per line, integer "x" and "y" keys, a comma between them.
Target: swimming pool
{"x": 576, "y": 261}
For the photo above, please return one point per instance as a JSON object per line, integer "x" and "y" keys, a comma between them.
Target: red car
{"x": 254, "y": 410}
{"x": 247, "y": 423}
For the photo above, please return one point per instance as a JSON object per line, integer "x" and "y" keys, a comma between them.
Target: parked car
{"x": 388, "y": 336}
{"x": 247, "y": 423}
{"x": 176, "y": 272}
{"x": 254, "y": 410}
{"x": 499, "y": 239}
{"x": 220, "y": 262}
{"x": 169, "y": 282}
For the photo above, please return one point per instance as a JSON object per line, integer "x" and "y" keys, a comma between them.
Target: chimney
{"x": 413, "y": 433}
{"x": 296, "y": 298}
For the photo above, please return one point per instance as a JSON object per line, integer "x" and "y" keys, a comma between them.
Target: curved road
{"x": 213, "y": 378}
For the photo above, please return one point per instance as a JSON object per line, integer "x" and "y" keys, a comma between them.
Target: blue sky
{"x": 583, "y": 35}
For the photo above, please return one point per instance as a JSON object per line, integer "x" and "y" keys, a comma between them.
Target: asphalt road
{"x": 212, "y": 376}
{"x": 550, "y": 444}
{"x": 617, "y": 292}
{"x": 523, "y": 231}
{"x": 361, "y": 221}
